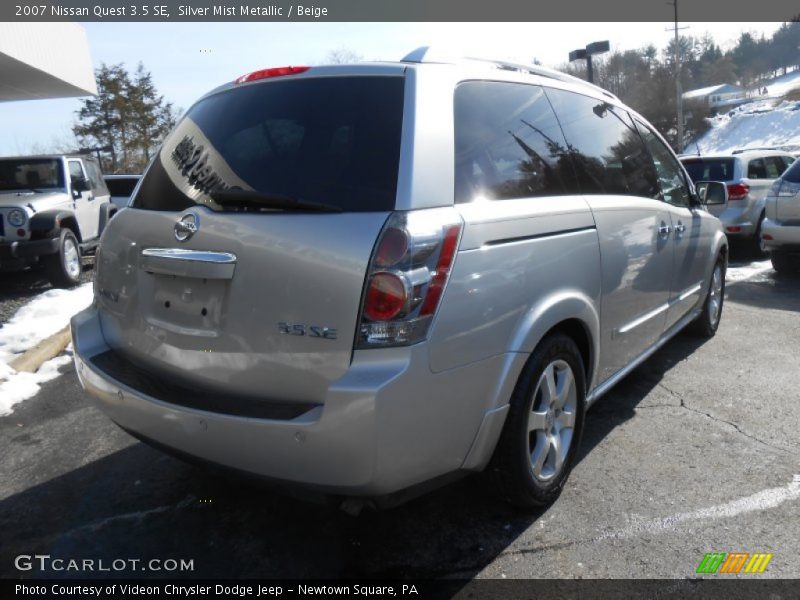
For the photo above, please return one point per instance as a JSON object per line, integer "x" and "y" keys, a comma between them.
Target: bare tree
{"x": 342, "y": 55}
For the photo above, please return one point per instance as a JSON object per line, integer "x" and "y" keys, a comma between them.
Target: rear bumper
{"x": 783, "y": 236}
{"x": 28, "y": 248}
{"x": 740, "y": 221}
{"x": 388, "y": 424}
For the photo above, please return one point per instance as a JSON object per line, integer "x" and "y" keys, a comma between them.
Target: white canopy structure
{"x": 44, "y": 60}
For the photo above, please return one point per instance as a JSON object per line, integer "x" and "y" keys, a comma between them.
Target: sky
{"x": 188, "y": 59}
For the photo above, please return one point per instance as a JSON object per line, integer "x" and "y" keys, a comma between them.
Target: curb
{"x": 30, "y": 360}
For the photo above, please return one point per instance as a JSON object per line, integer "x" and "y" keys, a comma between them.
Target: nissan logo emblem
{"x": 187, "y": 226}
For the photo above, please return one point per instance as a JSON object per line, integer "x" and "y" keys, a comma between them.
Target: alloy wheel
{"x": 551, "y": 421}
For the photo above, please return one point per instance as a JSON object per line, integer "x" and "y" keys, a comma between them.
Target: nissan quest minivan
{"x": 364, "y": 280}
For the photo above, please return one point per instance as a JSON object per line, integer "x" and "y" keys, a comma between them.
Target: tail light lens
{"x": 408, "y": 273}
{"x": 272, "y": 72}
{"x": 737, "y": 191}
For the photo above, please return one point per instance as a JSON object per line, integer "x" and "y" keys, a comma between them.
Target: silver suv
{"x": 52, "y": 209}
{"x": 748, "y": 175}
{"x": 781, "y": 230}
{"x": 367, "y": 279}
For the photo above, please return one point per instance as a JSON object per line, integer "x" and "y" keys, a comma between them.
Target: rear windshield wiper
{"x": 238, "y": 198}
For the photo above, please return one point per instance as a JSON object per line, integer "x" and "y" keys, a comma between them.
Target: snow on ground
{"x": 762, "y": 123}
{"x": 784, "y": 84}
{"x": 42, "y": 317}
{"x": 747, "y": 271}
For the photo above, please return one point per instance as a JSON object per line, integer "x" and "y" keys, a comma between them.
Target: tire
{"x": 61, "y": 267}
{"x": 783, "y": 264}
{"x": 527, "y": 469}
{"x": 707, "y": 323}
{"x": 759, "y": 249}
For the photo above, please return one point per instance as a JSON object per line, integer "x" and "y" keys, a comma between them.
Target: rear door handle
{"x": 663, "y": 230}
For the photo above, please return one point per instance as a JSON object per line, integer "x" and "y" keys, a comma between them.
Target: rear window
{"x": 329, "y": 140}
{"x": 792, "y": 174}
{"x": 121, "y": 187}
{"x": 709, "y": 169}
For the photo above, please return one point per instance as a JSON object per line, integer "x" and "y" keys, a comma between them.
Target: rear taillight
{"x": 272, "y": 72}
{"x": 737, "y": 191}
{"x": 408, "y": 273}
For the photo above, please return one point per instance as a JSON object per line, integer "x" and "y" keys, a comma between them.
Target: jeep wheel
{"x": 707, "y": 323}
{"x": 64, "y": 267}
{"x": 542, "y": 433}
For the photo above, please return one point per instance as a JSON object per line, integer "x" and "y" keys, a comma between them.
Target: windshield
{"x": 709, "y": 169}
{"x": 332, "y": 141}
{"x": 30, "y": 174}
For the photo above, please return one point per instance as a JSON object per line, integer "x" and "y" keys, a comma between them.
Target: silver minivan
{"x": 369, "y": 279}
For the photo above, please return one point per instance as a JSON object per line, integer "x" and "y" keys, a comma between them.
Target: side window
{"x": 508, "y": 143}
{"x": 96, "y": 178}
{"x": 788, "y": 160}
{"x": 75, "y": 170}
{"x": 775, "y": 166}
{"x": 674, "y": 188}
{"x": 606, "y": 149}
{"x": 757, "y": 169}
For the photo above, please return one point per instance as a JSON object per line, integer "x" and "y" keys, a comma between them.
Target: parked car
{"x": 781, "y": 229}
{"x": 121, "y": 188}
{"x": 52, "y": 210}
{"x": 432, "y": 273}
{"x": 748, "y": 174}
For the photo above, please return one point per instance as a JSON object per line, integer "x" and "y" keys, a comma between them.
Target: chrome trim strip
{"x": 643, "y": 319}
{"x": 654, "y": 313}
{"x": 204, "y": 256}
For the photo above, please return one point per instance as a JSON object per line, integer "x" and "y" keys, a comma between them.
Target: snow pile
{"x": 747, "y": 271}
{"x": 34, "y": 322}
{"x": 21, "y": 386}
{"x": 780, "y": 86}
{"x": 755, "y": 125}
{"x": 42, "y": 317}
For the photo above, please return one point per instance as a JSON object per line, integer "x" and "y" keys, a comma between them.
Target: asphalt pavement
{"x": 696, "y": 451}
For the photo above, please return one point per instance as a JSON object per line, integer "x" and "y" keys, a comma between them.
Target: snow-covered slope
{"x": 784, "y": 84}
{"x": 766, "y": 123}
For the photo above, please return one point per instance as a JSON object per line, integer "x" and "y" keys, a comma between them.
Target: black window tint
{"x": 507, "y": 143}
{"x": 788, "y": 160}
{"x": 122, "y": 186}
{"x": 709, "y": 169}
{"x": 775, "y": 166}
{"x": 756, "y": 169}
{"x": 674, "y": 188}
{"x": 792, "y": 174}
{"x": 334, "y": 140}
{"x": 605, "y": 147}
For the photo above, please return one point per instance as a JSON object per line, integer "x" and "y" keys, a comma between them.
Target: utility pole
{"x": 678, "y": 88}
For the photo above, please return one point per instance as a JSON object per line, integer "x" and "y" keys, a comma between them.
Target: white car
{"x": 781, "y": 229}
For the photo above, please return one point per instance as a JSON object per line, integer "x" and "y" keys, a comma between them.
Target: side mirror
{"x": 80, "y": 185}
{"x": 711, "y": 193}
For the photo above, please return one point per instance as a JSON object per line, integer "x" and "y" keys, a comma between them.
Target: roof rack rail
{"x": 427, "y": 54}
{"x": 741, "y": 150}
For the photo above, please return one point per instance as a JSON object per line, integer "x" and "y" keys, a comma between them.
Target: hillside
{"x": 769, "y": 121}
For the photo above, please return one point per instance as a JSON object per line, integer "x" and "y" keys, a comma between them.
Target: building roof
{"x": 722, "y": 88}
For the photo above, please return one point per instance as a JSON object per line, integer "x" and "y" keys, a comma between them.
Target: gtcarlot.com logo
{"x": 45, "y": 562}
{"x": 734, "y": 562}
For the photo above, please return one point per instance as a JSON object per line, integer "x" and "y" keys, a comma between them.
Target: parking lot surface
{"x": 696, "y": 451}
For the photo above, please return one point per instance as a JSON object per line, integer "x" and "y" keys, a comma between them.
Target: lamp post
{"x": 587, "y": 53}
